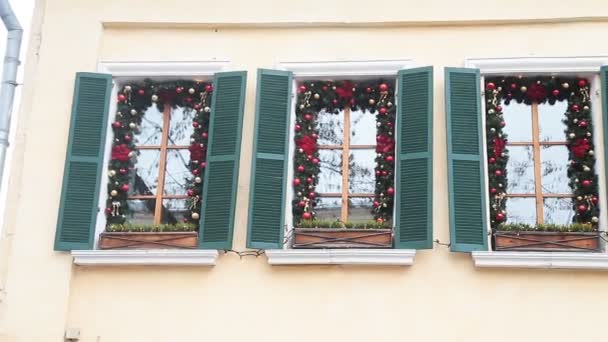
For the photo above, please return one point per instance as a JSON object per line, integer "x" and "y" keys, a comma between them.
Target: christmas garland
{"x": 581, "y": 172}
{"x": 133, "y": 101}
{"x": 331, "y": 97}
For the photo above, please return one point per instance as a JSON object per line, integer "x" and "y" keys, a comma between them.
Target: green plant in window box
{"x": 155, "y": 228}
{"x": 338, "y": 234}
{"x": 520, "y": 227}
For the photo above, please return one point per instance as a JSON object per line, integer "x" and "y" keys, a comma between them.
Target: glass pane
{"x": 555, "y": 170}
{"x": 177, "y": 172}
{"x": 362, "y": 128}
{"x": 520, "y": 170}
{"x": 518, "y": 119}
{"x": 141, "y": 211}
{"x": 174, "y": 210}
{"x": 151, "y": 128}
{"x": 330, "y": 175}
{"x": 145, "y": 179}
{"x": 180, "y": 126}
{"x": 330, "y": 128}
{"x": 361, "y": 178}
{"x": 521, "y": 210}
{"x": 558, "y": 210}
{"x": 328, "y": 208}
{"x": 360, "y": 209}
{"x": 550, "y": 121}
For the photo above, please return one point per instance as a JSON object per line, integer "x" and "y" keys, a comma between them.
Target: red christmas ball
{"x": 369, "y": 89}
{"x": 125, "y": 187}
{"x": 594, "y": 199}
{"x": 301, "y": 168}
{"x": 302, "y": 88}
{"x": 389, "y": 124}
{"x": 195, "y": 124}
{"x": 121, "y": 97}
{"x": 500, "y": 217}
{"x": 204, "y": 135}
{"x": 498, "y": 173}
{"x": 513, "y": 86}
{"x": 297, "y": 181}
{"x": 315, "y": 161}
{"x": 586, "y": 183}
{"x": 314, "y": 136}
{"x": 382, "y": 111}
{"x": 575, "y": 108}
{"x": 325, "y": 88}
{"x": 334, "y": 102}
{"x": 384, "y": 173}
{"x": 108, "y": 210}
{"x": 307, "y": 117}
{"x": 203, "y": 165}
{"x": 311, "y": 194}
{"x": 123, "y": 171}
{"x": 509, "y": 95}
{"x": 491, "y": 160}
{"x": 555, "y": 92}
{"x": 503, "y": 124}
{"x": 297, "y": 128}
{"x": 493, "y": 191}
{"x": 582, "y": 83}
{"x": 583, "y": 124}
{"x": 141, "y": 92}
{"x": 197, "y": 106}
{"x": 378, "y": 173}
{"x": 499, "y": 108}
{"x": 301, "y": 204}
{"x": 376, "y": 204}
{"x": 127, "y": 138}
{"x": 195, "y": 172}
{"x": 179, "y": 90}
{"x": 188, "y": 100}
{"x": 390, "y": 191}
{"x": 306, "y": 215}
{"x": 309, "y": 180}
{"x": 383, "y": 87}
{"x": 490, "y": 86}
{"x": 190, "y": 192}
{"x": 116, "y": 124}
{"x": 582, "y": 208}
{"x": 209, "y": 88}
{"x": 389, "y": 159}
{"x": 353, "y": 102}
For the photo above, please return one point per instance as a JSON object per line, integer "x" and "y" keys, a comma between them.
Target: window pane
{"x": 362, "y": 128}
{"x": 360, "y": 209}
{"x": 177, "y": 172}
{"x": 145, "y": 179}
{"x": 521, "y": 210}
{"x": 520, "y": 170}
{"x": 555, "y": 170}
{"x": 328, "y": 208}
{"x": 141, "y": 211}
{"x": 550, "y": 121}
{"x": 174, "y": 210}
{"x": 361, "y": 178}
{"x": 180, "y": 126}
{"x": 151, "y": 128}
{"x": 330, "y": 175}
{"x": 558, "y": 210}
{"x": 330, "y": 128}
{"x": 518, "y": 119}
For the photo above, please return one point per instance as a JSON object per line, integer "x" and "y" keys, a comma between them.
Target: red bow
{"x": 580, "y": 147}
{"x": 308, "y": 144}
{"x": 345, "y": 92}
{"x": 499, "y": 146}
{"x": 196, "y": 152}
{"x": 121, "y": 152}
{"x": 537, "y": 93}
{"x": 384, "y": 144}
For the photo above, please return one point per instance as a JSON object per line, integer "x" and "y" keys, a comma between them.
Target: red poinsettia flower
{"x": 308, "y": 144}
{"x": 537, "y": 93}
{"x": 384, "y": 144}
{"x": 121, "y": 152}
{"x": 499, "y": 146}
{"x": 580, "y": 147}
{"x": 196, "y": 152}
{"x": 345, "y": 92}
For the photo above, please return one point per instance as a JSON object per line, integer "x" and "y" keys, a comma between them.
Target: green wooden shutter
{"x": 466, "y": 169}
{"x": 269, "y": 164}
{"x": 414, "y": 178}
{"x": 83, "y": 166}
{"x": 222, "y": 171}
{"x": 604, "y": 89}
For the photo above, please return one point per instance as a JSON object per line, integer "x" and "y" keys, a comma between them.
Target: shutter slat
{"x": 604, "y": 90}
{"x": 222, "y": 171}
{"x": 466, "y": 170}
{"x": 269, "y": 165}
{"x": 84, "y": 159}
{"x": 414, "y": 179}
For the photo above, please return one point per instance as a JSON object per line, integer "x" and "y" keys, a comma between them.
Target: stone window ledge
{"x": 563, "y": 260}
{"x": 390, "y": 257}
{"x": 153, "y": 257}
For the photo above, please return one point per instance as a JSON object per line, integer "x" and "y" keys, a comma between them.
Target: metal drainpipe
{"x": 9, "y": 76}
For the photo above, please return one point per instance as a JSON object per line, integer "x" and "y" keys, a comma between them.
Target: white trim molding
{"x": 387, "y": 257}
{"x": 149, "y": 257}
{"x": 345, "y": 68}
{"x": 516, "y": 65}
{"x": 156, "y": 69}
{"x": 571, "y": 260}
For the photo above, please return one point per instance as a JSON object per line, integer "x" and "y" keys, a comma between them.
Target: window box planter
{"x": 342, "y": 238}
{"x": 546, "y": 241}
{"x": 148, "y": 240}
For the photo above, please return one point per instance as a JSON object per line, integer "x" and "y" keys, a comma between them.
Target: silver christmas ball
{"x": 198, "y": 180}
{"x": 493, "y": 130}
{"x": 192, "y": 140}
{"x": 586, "y": 168}
{"x": 389, "y": 104}
{"x": 500, "y": 185}
{"x": 579, "y": 198}
{"x": 591, "y": 152}
{"x": 132, "y": 125}
{"x": 111, "y": 173}
{"x": 523, "y": 89}
{"x": 207, "y": 109}
{"x": 299, "y": 193}
{"x": 317, "y": 96}
{"x": 191, "y": 91}
{"x": 302, "y": 106}
{"x": 114, "y": 193}
{"x": 575, "y": 120}
{"x": 128, "y": 88}
{"x": 195, "y": 216}
{"x": 378, "y": 124}
{"x": 588, "y": 134}
{"x": 576, "y": 180}
{"x": 572, "y": 135}
{"x": 586, "y": 107}
{"x": 133, "y": 112}
{"x": 154, "y": 98}
{"x": 594, "y": 219}
{"x": 491, "y": 111}
{"x": 301, "y": 150}
{"x": 565, "y": 85}
{"x": 372, "y": 102}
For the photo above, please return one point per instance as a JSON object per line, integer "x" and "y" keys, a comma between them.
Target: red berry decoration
{"x": 334, "y": 102}
{"x": 491, "y": 160}
{"x": 123, "y": 171}
{"x": 390, "y": 191}
{"x": 141, "y": 92}
{"x": 493, "y": 191}
{"x": 513, "y": 85}
{"x": 583, "y": 124}
{"x": 555, "y": 92}
{"x": 582, "y": 208}
{"x": 385, "y": 173}
{"x": 204, "y": 135}
{"x": 325, "y": 88}
{"x": 116, "y": 124}
{"x": 575, "y": 108}
{"x": 121, "y": 98}
{"x": 297, "y": 128}
{"x": 195, "y": 172}
{"x": 382, "y": 111}
{"x": 594, "y": 199}
{"x": 302, "y": 88}
{"x": 203, "y": 165}
{"x": 179, "y": 90}
{"x": 369, "y": 89}
{"x": 307, "y": 117}
{"x": 582, "y": 83}
{"x": 297, "y": 181}
{"x": 499, "y": 108}
{"x": 383, "y": 87}
{"x": 306, "y": 215}
{"x": 353, "y": 102}
{"x": 190, "y": 192}
{"x": 311, "y": 194}
{"x": 389, "y": 159}
{"x": 301, "y": 168}
{"x": 108, "y": 210}
{"x": 197, "y": 106}
{"x": 315, "y": 161}
{"x": 127, "y": 138}
{"x": 378, "y": 173}
{"x": 503, "y": 124}
{"x": 309, "y": 180}
{"x": 376, "y": 204}
{"x": 125, "y": 187}
{"x": 490, "y": 86}
{"x": 188, "y": 100}
{"x": 314, "y": 136}
{"x": 195, "y": 124}
{"x": 498, "y": 173}
{"x": 301, "y": 204}
{"x": 209, "y": 88}
{"x": 500, "y": 217}
{"x": 586, "y": 183}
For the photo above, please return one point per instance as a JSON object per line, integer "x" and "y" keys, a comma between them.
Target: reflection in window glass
{"x": 362, "y": 128}
{"x": 145, "y": 179}
{"x": 328, "y": 208}
{"x": 554, "y": 170}
{"x": 330, "y": 175}
{"x": 177, "y": 172}
{"x": 180, "y": 126}
{"x": 360, "y": 209}
{"x": 330, "y": 128}
{"x": 518, "y": 119}
{"x": 361, "y": 178}
{"x": 151, "y": 128}
{"x": 550, "y": 122}
{"x": 558, "y": 210}
{"x": 174, "y": 210}
{"x": 141, "y": 211}
{"x": 520, "y": 170}
{"x": 521, "y": 210}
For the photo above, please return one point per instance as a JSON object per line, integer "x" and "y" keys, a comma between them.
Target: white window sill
{"x": 173, "y": 257}
{"x": 567, "y": 260}
{"x": 392, "y": 257}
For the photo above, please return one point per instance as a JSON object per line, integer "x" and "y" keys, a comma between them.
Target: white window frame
{"x": 588, "y": 67}
{"x": 335, "y": 69}
{"x": 121, "y": 72}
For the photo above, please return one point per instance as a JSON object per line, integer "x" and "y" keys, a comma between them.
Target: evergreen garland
{"x": 579, "y": 127}
{"x": 133, "y": 101}
{"x": 378, "y": 98}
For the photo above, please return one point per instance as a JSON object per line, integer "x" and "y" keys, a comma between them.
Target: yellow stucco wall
{"x": 441, "y": 298}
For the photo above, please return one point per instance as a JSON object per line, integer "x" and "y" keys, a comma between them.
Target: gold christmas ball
{"x": 372, "y": 102}
{"x": 207, "y": 109}
{"x": 154, "y": 98}
{"x": 389, "y": 104}
{"x": 571, "y": 135}
{"x": 579, "y": 198}
{"x": 591, "y": 152}
{"x": 114, "y": 193}
{"x": 195, "y": 216}
{"x": 594, "y": 219}
{"x": 523, "y": 89}
{"x": 132, "y": 125}
{"x": 111, "y": 173}
{"x": 317, "y": 96}
{"x": 301, "y": 106}
{"x": 586, "y": 168}
{"x": 191, "y": 91}
{"x": 133, "y": 112}
{"x": 128, "y": 88}
{"x": 586, "y": 107}
{"x": 565, "y": 85}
